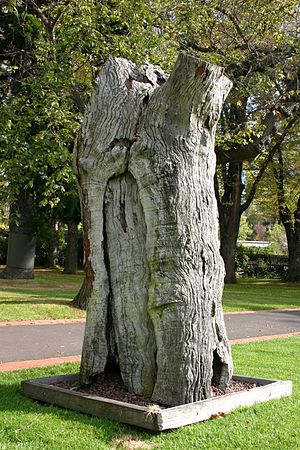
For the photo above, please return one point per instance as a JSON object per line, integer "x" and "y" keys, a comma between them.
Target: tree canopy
{"x": 53, "y": 50}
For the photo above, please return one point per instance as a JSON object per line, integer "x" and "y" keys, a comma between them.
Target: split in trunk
{"x": 145, "y": 163}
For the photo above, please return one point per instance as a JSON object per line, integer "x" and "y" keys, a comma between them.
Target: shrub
{"x": 260, "y": 263}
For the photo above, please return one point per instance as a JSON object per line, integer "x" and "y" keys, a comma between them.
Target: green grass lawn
{"x": 254, "y": 294}
{"x": 25, "y": 424}
{"x": 48, "y": 296}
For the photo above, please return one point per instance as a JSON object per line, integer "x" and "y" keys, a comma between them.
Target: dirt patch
{"x": 112, "y": 387}
{"x": 130, "y": 443}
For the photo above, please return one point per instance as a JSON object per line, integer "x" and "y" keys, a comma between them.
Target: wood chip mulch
{"x": 112, "y": 387}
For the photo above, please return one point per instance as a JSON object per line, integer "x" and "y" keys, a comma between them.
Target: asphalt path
{"x": 262, "y": 323}
{"x": 27, "y": 342}
{"x": 35, "y": 342}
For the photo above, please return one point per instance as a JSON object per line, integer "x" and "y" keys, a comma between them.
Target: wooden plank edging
{"x": 199, "y": 411}
{"x": 165, "y": 419}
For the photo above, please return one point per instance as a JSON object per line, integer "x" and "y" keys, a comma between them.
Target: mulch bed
{"x": 112, "y": 387}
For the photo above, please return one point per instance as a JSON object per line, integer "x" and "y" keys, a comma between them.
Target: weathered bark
{"x": 145, "y": 163}
{"x": 81, "y": 299}
{"x": 21, "y": 242}
{"x": 71, "y": 254}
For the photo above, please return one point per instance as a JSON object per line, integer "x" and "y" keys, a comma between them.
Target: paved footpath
{"x": 41, "y": 343}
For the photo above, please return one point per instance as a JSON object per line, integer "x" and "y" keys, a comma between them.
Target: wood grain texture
{"x": 130, "y": 331}
{"x": 145, "y": 163}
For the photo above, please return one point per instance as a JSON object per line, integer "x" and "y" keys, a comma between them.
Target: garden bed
{"x": 140, "y": 411}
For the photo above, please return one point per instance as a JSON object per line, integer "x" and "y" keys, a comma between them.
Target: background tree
{"x": 286, "y": 164}
{"x": 35, "y": 124}
{"x": 50, "y": 54}
{"x": 52, "y": 51}
{"x": 69, "y": 213}
{"x": 258, "y": 43}
{"x": 278, "y": 199}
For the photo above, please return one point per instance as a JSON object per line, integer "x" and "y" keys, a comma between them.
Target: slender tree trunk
{"x": 230, "y": 211}
{"x": 228, "y": 253}
{"x": 292, "y": 230}
{"x": 291, "y": 222}
{"x": 71, "y": 254}
{"x": 294, "y": 262}
{"x": 145, "y": 160}
{"x": 21, "y": 242}
{"x": 52, "y": 253}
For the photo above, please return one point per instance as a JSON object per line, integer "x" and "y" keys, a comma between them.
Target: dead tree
{"x": 145, "y": 164}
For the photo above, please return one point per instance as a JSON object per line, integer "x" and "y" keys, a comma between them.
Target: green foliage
{"x": 246, "y": 231}
{"x": 267, "y": 195}
{"x": 53, "y": 50}
{"x": 277, "y": 237}
{"x": 261, "y": 263}
{"x": 44, "y": 93}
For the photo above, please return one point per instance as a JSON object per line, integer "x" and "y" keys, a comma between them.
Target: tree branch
{"x": 273, "y": 124}
{"x": 48, "y": 23}
{"x": 40, "y": 14}
{"x": 266, "y": 162}
{"x": 237, "y": 27}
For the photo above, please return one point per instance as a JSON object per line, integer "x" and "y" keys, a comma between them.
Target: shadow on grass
{"x": 265, "y": 282}
{"x": 38, "y": 302}
{"x": 15, "y": 403}
{"x": 38, "y": 292}
{"x": 266, "y": 306}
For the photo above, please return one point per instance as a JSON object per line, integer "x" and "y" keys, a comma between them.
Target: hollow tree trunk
{"x": 71, "y": 260}
{"x": 145, "y": 163}
{"x": 21, "y": 242}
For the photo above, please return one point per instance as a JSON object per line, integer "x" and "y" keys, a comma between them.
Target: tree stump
{"x": 145, "y": 164}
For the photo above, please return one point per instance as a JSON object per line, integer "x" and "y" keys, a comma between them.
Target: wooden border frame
{"x": 164, "y": 419}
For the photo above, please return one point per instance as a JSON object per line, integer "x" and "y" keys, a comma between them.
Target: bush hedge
{"x": 253, "y": 263}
